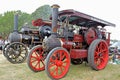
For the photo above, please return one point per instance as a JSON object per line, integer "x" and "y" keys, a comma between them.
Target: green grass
{"x": 10, "y": 71}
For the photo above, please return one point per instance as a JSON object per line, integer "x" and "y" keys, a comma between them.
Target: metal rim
{"x": 36, "y": 59}
{"x": 98, "y": 54}
{"x": 16, "y": 52}
{"x": 4, "y": 48}
{"x": 57, "y": 63}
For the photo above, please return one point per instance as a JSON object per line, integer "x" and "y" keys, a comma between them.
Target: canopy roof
{"x": 82, "y": 19}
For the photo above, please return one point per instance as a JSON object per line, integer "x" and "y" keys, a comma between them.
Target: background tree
{"x": 7, "y": 19}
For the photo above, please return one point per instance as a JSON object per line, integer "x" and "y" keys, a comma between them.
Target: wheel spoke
{"x": 37, "y": 64}
{"x": 33, "y": 57}
{"x": 102, "y": 51}
{"x": 60, "y": 55}
{"x": 51, "y": 65}
{"x": 57, "y": 71}
{"x": 63, "y": 66}
{"x": 101, "y": 59}
{"x": 32, "y": 61}
{"x": 65, "y": 61}
{"x": 36, "y": 54}
{"x": 22, "y": 56}
{"x": 61, "y": 69}
{"x": 43, "y": 62}
{"x": 53, "y": 71}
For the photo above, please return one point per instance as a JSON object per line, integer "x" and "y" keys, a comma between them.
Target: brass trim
{"x": 61, "y": 42}
{"x": 55, "y": 6}
{"x": 20, "y": 38}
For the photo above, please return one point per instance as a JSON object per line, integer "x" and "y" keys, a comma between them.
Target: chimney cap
{"x": 55, "y": 6}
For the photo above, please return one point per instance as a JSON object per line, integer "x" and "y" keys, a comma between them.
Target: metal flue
{"x": 55, "y": 8}
{"x": 16, "y": 22}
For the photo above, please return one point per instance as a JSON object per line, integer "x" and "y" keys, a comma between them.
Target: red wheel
{"x": 57, "y": 63}
{"x": 98, "y": 54}
{"x": 36, "y": 58}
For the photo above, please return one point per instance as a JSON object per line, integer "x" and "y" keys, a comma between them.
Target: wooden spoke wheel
{"x": 98, "y": 54}
{"x": 16, "y": 52}
{"x": 57, "y": 63}
{"x": 76, "y": 61}
{"x": 4, "y": 48}
{"x": 36, "y": 59}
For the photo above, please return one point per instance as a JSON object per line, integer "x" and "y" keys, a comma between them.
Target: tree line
{"x": 7, "y": 19}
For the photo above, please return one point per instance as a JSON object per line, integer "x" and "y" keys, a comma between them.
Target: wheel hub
{"x": 17, "y": 52}
{"x": 100, "y": 54}
{"x": 59, "y": 63}
{"x": 39, "y": 58}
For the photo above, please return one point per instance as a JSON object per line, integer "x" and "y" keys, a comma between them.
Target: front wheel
{"x": 98, "y": 54}
{"x": 57, "y": 63}
{"x": 36, "y": 59}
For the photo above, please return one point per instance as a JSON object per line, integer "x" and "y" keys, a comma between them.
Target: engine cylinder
{"x": 14, "y": 37}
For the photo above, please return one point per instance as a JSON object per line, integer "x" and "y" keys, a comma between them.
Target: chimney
{"x": 16, "y": 22}
{"x": 55, "y": 8}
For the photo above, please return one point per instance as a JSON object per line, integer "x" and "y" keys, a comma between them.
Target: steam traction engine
{"x": 75, "y": 37}
{"x": 16, "y": 50}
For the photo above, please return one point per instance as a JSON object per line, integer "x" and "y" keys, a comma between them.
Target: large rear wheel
{"x": 36, "y": 59}
{"x": 57, "y": 63}
{"x": 98, "y": 54}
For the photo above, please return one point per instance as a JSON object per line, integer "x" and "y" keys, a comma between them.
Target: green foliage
{"x": 42, "y": 12}
{"x": 7, "y": 19}
{"x": 6, "y": 22}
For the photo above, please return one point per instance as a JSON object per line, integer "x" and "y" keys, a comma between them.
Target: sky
{"x": 104, "y": 9}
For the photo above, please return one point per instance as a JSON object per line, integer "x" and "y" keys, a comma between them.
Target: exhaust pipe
{"x": 14, "y": 36}
{"x": 55, "y": 8}
{"x": 52, "y": 41}
{"x": 16, "y": 22}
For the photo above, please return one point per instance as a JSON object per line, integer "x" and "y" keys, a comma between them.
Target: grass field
{"x": 10, "y": 71}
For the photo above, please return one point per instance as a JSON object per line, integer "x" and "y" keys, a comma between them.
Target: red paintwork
{"x": 90, "y": 35}
{"x": 66, "y": 44}
{"x": 37, "y": 22}
{"x": 69, "y": 44}
{"x": 78, "y": 38}
{"x": 108, "y": 39}
{"x": 101, "y": 55}
{"x": 78, "y": 53}
{"x": 59, "y": 64}
{"x": 37, "y": 59}
{"x": 40, "y": 22}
